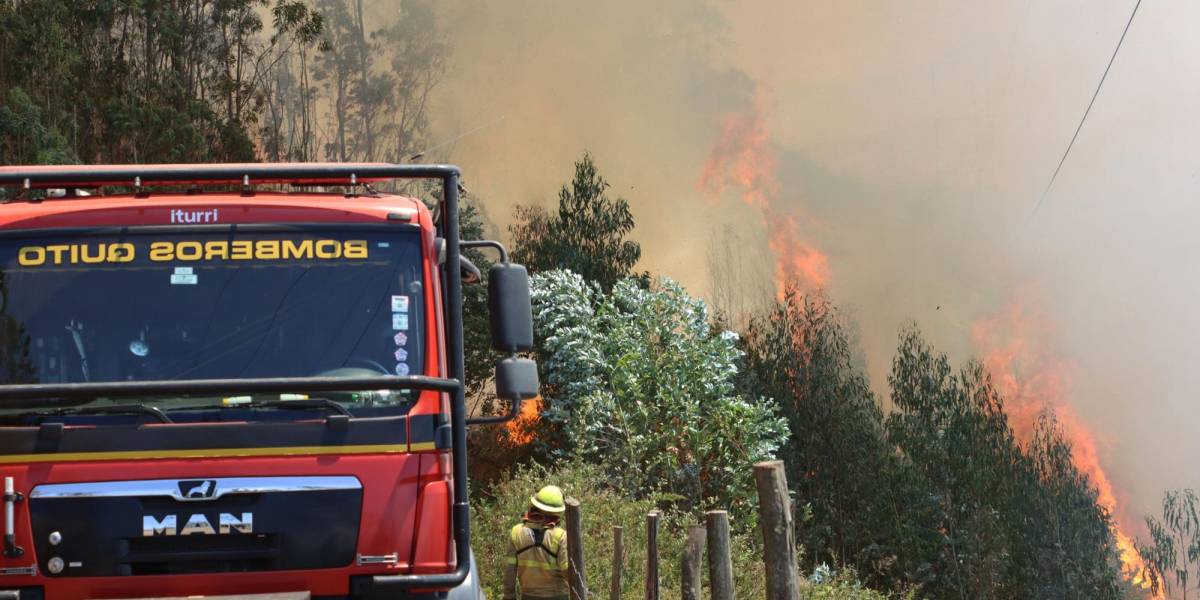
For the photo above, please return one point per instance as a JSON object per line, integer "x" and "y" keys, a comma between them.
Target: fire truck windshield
{"x": 229, "y": 303}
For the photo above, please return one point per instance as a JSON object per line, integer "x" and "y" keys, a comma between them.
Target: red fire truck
{"x": 239, "y": 380}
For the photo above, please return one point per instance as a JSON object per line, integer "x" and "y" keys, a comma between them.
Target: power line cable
{"x": 460, "y": 136}
{"x": 1095, "y": 94}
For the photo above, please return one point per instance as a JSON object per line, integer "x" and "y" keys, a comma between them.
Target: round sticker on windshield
{"x": 402, "y": 369}
{"x": 139, "y": 348}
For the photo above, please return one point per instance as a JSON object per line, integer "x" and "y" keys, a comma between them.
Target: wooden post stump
{"x": 576, "y": 580}
{"x": 693, "y": 556}
{"x": 720, "y": 563}
{"x": 652, "y": 555}
{"x": 618, "y": 563}
{"x": 775, "y": 519}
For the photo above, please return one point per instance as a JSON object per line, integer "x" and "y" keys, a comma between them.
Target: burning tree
{"x": 983, "y": 516}
{"x": 1018, "y": 352}
{"x": 744, "y": 161}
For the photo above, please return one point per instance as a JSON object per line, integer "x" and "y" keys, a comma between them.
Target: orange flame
{"x": 522, "y": 429}
{"x": 1015, "y": 344}
{"x": 743, "y": 159}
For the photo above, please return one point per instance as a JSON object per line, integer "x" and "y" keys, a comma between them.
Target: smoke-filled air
{"x": 895, "y": 155}
{"x": 938, "y": 256}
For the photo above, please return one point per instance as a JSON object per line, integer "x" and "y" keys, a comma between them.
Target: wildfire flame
{"x": 1014, "y": 342}
{"x": 522, "y": 429}
{"x": 1031, "y": 377}
{"x": 743, "y": 159}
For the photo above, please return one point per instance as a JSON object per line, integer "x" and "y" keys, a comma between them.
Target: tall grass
{"x": 603, "y": 507}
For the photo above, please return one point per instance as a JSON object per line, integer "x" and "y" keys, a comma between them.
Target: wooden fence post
{"x": 693, "y": 556}
{"x": 576, "y": 579}
{"x": 720, "y": 564}
{"x": 775, "y": 519}
{"x": 618, "y": 563}
{"x": 652, "y": 555}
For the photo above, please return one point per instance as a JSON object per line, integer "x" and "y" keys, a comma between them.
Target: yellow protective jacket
{"x": 537, "y": 557}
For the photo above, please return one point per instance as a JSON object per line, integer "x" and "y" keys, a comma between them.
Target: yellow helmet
{"x": 549, "y": 499}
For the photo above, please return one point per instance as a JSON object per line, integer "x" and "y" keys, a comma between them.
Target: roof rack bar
{"x": 233, "y": 174}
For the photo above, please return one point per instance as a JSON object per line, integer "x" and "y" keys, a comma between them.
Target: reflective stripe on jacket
{"x": 541, "y": 568}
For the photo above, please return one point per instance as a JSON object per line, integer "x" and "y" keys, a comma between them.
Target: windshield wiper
{"x": 306, "y": 404}
{"x": 125, "y": 409}
{"x": 297, "y": 404}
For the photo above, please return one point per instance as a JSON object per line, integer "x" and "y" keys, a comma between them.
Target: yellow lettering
{"x": 189, "y": 250}
{"x": 57, "y": 250}
{"x": 267, "y": 250}
{"x": 242, "y": 250}
{"x": 328, "y": 249}
{"x": 90, "y": 259}
{"x": 120, "y": 253}
{"x": 354, "y": 249}
{"x": 166, "y": 251}
{"x": 162, "y": 251}
{"x": 31, "y": 256}
{"x": 291, "y": 249}
{"x": 216, "y": 249}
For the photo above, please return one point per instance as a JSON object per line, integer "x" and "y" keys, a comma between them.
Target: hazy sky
{"x": 915, "y": 137}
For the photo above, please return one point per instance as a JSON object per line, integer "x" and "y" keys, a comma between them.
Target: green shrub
{"x": 641, "y": 383}
{"x": 845, "y": 586}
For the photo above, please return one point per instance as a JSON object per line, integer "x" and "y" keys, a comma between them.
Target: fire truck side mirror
{"x": 516, "y": 380}
{"x": 509, "y": 309}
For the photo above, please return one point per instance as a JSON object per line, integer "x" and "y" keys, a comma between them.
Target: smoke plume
{"x": 905, "y": 144}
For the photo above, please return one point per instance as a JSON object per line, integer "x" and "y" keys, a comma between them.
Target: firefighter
{"x": 537, "y": 554}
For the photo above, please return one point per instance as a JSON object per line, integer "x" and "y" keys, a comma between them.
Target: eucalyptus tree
{"x": 1173, "y": 554}
{"x": 837, "y": 456}
{"x": 134, "y": 81}
{"x": 379, "y": 65}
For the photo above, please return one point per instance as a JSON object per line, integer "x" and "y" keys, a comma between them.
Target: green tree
{"x": 981, "y": 518}
{"x": 288, "y": 130}
{"x": 953, "y": 435}
{"x": 378, "y": 78}
{"x": 130, "y": 81}
{"x": 1173, "y": 553}
{"x": 837, "y": 456}
{"x": 1068, "y": 547}
{"x": 586, "y": 235}
{"x": 646, "y": 388}
{"x": 25, "y": 137}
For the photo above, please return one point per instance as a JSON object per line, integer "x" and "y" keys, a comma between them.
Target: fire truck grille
{"x": 210, "y": 554}
{"x": 157, "y": 528}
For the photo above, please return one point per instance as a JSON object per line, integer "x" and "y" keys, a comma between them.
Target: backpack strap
{"x": 539, "y": 537}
